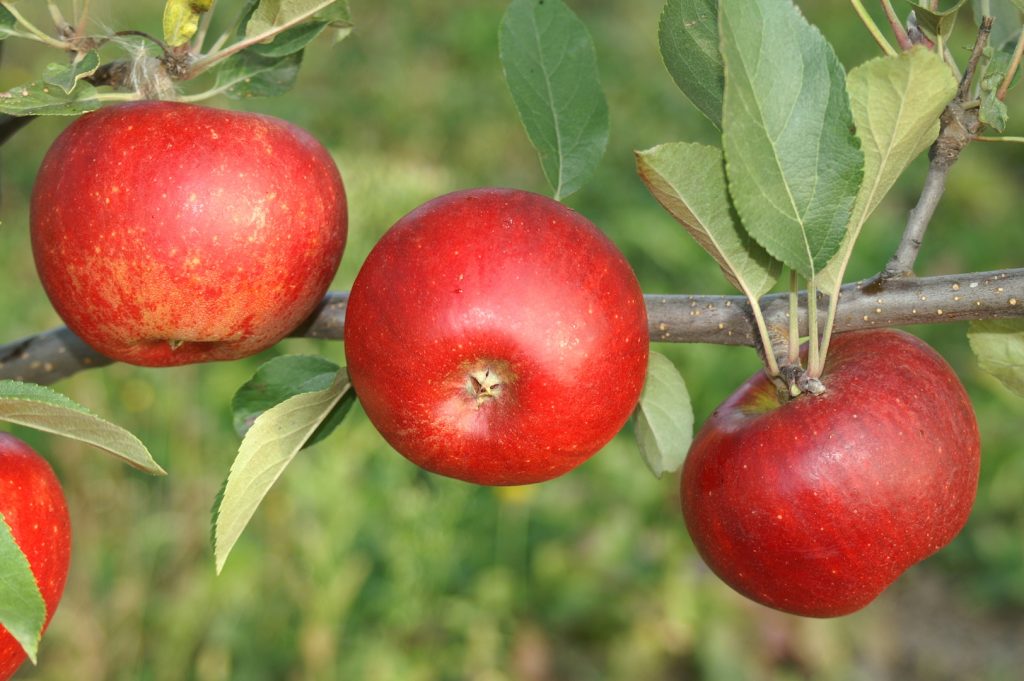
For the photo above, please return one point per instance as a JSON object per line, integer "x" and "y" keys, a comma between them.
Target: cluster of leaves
{"x": 258, "y": 56}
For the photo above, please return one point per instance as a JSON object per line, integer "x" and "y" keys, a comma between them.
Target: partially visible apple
{"x": 167, "y": 233}
{"x": 33, "y": 506}
{"x": 815, "y": 506}
{"x": 496, "y": 336}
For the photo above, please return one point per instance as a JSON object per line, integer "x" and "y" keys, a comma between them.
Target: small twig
{"x": 963, "y": 91}
{"x": 1014, "y": 140}
{"x": 33, "y": 31}
{"x": 1018, "y": 52}
{"x": 897, "y": 28}
{"x": 960, "y": 123}
{"x": 872, "y": 27}
{"x": 902, "y": 262}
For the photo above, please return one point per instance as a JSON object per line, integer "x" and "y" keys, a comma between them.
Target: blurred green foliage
{"x": 359, "y": 566}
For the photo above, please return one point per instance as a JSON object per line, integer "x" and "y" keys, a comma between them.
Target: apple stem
{"x": 813, "y": 340}
{"x": 794, "y": 319}
{"x": 768, "y": 350}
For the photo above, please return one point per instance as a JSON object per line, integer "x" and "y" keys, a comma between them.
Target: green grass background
{"x": 359, "y": 566}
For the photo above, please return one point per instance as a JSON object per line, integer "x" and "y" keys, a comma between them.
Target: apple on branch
{"x": 167, "y": 233}
{"x": 497, "y": 337}
{"x": 816, "y": 505}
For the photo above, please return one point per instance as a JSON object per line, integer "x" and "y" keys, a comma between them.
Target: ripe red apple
{"x": 33, "y": 506}
{"x": 496, "y": 336}
{"x": 815, "y": 506}
{"x": 167, "y": 233}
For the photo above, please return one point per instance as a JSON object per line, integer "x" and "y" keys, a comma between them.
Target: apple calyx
{"x": 485, "y": 382}
{"x": 793, "y": 381}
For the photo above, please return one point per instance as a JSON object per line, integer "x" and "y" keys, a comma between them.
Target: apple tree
{"x": 498, "y": 336}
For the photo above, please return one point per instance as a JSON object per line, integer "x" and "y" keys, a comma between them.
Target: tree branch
{"x": 724, "y": 320}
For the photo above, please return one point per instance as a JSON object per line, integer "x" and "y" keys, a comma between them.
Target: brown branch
{"x": 724, "y": 320}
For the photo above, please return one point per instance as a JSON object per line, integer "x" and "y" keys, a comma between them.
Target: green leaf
{"x": 551, "y": 70}
{"x": 291, "y": 41}
{"x": 689, "y": 181}
{"x": 8, "y": 23}
{"x": 663, "y": 420}
{"x": 36, "y": 406}
{"x": 688, "y": 37}
{"x": 67, "y": 76}
{"x": 999, "y": 347}
{"x": 992, "y": 111}
{"x": 793, "y": 161}
{"x": 1007, "y": 19}
{"x": 181, "y": 20}
{"x": 269, "y": 446}
{"x": 22, "y": 609}
{"x": 41, "y": 99}
{"x": 282, "y": 378}
{"x": 896, "y": 103}
{"x": 273, "y": 15}
{"x": 247, "y": 74}
{"x": 936, "y": 22}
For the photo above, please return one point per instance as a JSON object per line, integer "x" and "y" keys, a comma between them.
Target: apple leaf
{"x": 936, "y": 22}
{"x": 67, "y": 76}
{"x": 181, "y": 20}
{"x": 41, "y": 98}
{"x": 999, "y": 347}
{"x": 689, "y": 181}
{"x": 22, "y": 609}
{"x": 688, "y": 38}
{"x": 1007, "y": 19}
{"x": 7, "y": 23}
{"x": 992, "y": 110}
{"x": 284, "y": 377}
{"x": 35, "y": 406}
{"x": 663, "y": 420}
{"x": 551, "y": 70}
{"x": 248, "y": 74}
{"x": 270, "y": 17}
{"x": 896, "y": 104}
{"x": 793, "y": 161}
{"x": 269, "y": 446}
{"x": 291, "y": 41}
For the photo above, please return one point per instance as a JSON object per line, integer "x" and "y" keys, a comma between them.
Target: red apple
{"x": 167, "y": 233}
{"x": 815, "y": 506}
{"x": 496, "y": 336}
{"x": 33, "y": 506}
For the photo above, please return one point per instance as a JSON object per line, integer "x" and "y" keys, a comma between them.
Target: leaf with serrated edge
{"x": 248, "y": 74}
{"x": 22, "y": 609}
{"x": 689, "y": 181}
{"x": 688, "y": 39}
{"x": 271, "y": 15}
{"x": 936, "y": 22}
{"x": 35, "y": 406}
{"x": 67, "y": 76}
{"x": 39, "y": 98}
{"x": 663, "y": 420}
{"x": 180, "y": 21}
{"x": 267, "y": 449}
{"x": 896, "y": 103}
{"x": 793, "y": 162}
{"x": 551, "y": 71}
{"x": 999, "y": 347}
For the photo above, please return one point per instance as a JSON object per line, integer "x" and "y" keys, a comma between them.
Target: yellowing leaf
{"x": 181, "y": 20}
{"x": 896, "y": 103}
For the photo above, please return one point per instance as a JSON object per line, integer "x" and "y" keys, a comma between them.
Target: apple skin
{"x": 497, "y": 337}
{"x": 167, "y": 233}
{"x": 33, "y": 506}
{"x": 814, "y": 507}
